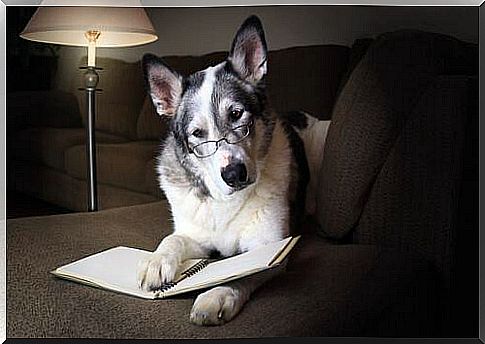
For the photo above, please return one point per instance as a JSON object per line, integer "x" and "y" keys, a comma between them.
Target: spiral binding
{"x": 196, "y": 268}
{"x": 187, "y": 273}
{"x": 166, "y": 286}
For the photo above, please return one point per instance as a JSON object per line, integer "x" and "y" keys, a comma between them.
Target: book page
{"x": 114, "y": 269}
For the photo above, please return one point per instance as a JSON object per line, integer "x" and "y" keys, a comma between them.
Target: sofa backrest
{"x": 299, "y": 78}
{"x": 53, "y": 108}
{"x": 119, "y": 102}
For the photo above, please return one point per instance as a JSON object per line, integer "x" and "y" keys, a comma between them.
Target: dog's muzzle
{"x": 235, "y": 175}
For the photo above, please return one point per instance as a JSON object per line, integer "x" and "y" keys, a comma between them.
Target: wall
{"x": 195, "y": 31}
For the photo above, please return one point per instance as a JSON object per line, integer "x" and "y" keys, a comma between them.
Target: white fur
{"x": 204, "y": 96}
{"x": 314, "y": 136}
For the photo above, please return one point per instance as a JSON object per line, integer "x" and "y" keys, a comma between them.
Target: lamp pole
{"x": 91, "y": 79}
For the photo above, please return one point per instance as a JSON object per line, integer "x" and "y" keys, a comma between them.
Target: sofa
{"x": 390, "y": 252}
{"x": 46, "y": 135}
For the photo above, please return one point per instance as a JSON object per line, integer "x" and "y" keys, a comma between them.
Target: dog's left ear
{"x": 248, "y": 52}
{"x": 163, "y": 83}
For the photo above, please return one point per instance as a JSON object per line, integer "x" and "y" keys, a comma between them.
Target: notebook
{"x": 116, "y": 269}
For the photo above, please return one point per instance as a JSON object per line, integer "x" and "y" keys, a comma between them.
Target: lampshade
{"x": 118, "y": 26}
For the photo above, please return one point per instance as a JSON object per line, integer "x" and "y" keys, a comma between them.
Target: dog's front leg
{"x": 221, "y": 304}
{"x": 160, "y": 267}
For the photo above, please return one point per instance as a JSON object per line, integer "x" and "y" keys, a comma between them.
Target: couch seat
{"x": 327, "y": 290}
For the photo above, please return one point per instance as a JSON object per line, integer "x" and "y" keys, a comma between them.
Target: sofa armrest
{"x": 413, "y": 202}
{"x": 424, "y": 199}
{"x": 54, "y": 108}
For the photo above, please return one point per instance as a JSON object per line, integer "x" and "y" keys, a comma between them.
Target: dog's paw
{"x": 156, "y": 270}
{"x": 216, "y": 306}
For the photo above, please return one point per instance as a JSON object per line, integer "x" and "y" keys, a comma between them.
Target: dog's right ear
{"x": 163, "y": 83}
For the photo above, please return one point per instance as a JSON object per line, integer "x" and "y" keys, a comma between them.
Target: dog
{"x": 230, "y": 167}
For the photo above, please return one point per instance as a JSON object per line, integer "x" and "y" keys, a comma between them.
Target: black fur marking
{"x": 201, "y": 188}
{"x": 193, "y": 82}
{"x": 228, "y": 69}
{"x": 297, "y": 209}
{"x": 228, "y": 85}
{"x": 296, "y": 119}
{"x": 215, "y": 254}
{"x": 179, "y": 130}
{"x": 256, "y": 103}
{"x": 195, "y": 181}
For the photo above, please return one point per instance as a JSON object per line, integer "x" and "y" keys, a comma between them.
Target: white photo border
{"x": 223, "y": 3}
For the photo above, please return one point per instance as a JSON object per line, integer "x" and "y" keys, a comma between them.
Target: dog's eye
{"x": 198, "y": 133}
{"x": 236, "y": 113}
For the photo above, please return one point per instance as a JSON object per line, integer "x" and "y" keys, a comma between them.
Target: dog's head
{"x": 219, "y": 122}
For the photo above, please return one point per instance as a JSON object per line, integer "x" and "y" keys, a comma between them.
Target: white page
{"x": 114, "y": 268}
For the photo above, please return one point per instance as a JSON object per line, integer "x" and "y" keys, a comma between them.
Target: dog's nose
{"x": 234, "y": 174}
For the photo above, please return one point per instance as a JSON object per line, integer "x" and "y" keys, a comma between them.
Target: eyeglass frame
{"x": 217, "y": 142}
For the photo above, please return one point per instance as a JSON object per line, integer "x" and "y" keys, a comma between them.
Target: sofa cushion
{"x": 306, "y": 78}
{"x": 122, "y": 165}
{"x": 47, "y": 145}
{"x": 150, "y": 125}
{"x": 118, "y": 104}
{"x": 327, "y": 290}
{"x": 371, "y": 109}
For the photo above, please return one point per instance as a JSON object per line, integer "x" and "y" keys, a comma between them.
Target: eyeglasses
{"x": 208, "y": 148}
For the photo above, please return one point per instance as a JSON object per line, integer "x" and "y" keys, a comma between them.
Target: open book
{"x": 115, "y": 269}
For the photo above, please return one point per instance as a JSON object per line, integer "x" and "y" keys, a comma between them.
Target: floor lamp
{"x": 91, "y": 27}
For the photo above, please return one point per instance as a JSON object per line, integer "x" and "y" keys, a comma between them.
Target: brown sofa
{"x": 46, "y": 138}
{"x": 389, "y": 253}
